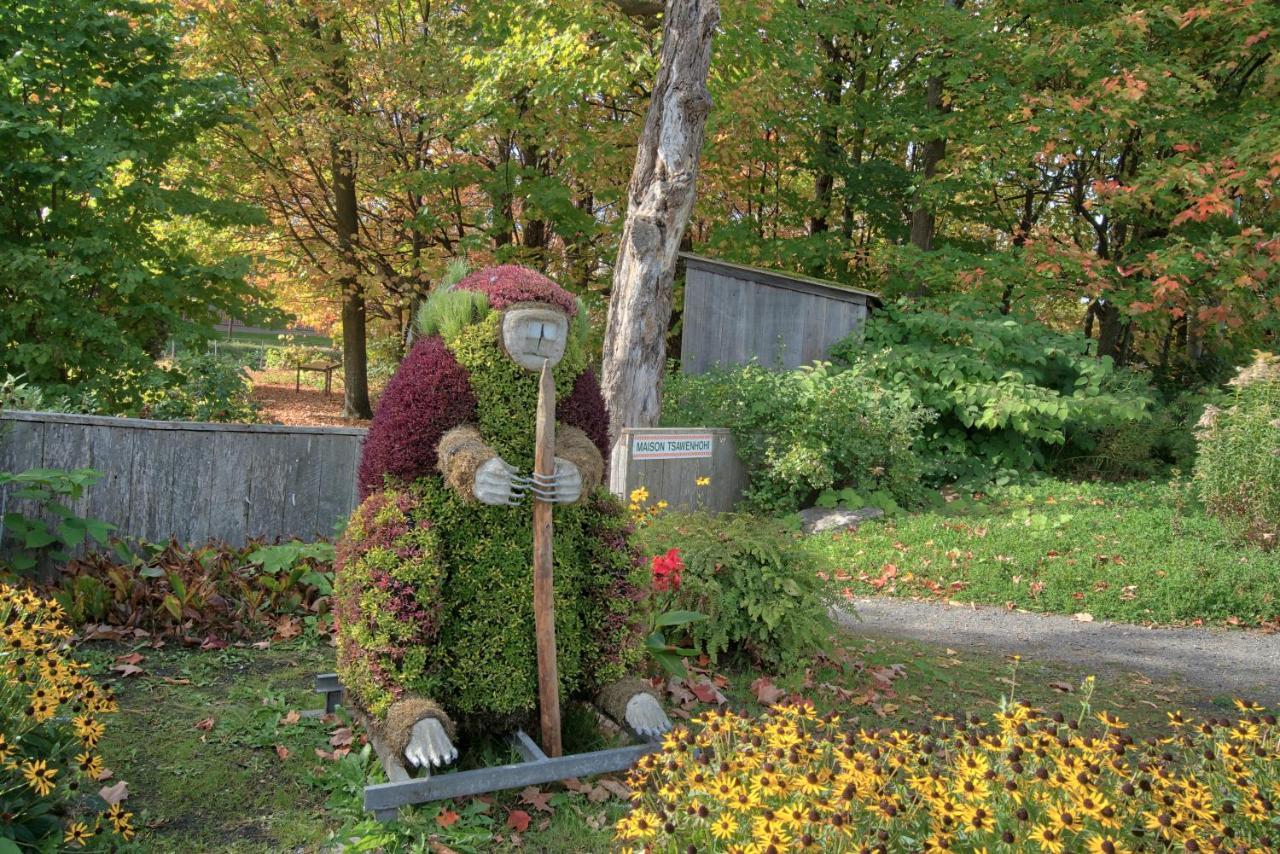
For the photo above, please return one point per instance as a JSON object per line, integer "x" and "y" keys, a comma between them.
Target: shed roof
{"x": 790, "y": 281}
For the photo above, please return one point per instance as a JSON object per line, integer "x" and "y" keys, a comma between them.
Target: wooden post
{"x": 544, "y": 613}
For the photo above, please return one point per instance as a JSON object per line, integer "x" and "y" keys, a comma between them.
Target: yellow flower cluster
{"x": 1020, "y": 781}
{"x": 49, "y": 719}
{"x": 642, "y": 512}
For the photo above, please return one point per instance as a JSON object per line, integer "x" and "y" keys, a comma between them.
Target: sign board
{"x": 671, "y": 446}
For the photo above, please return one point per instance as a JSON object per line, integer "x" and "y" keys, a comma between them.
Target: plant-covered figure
{"x": 434, "y": 574}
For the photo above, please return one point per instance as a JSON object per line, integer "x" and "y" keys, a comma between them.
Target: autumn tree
{"x": 96, "y": 272}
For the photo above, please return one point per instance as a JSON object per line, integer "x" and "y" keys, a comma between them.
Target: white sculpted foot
{"x": 645, "y": 716}
{"x": 429, "y": 745}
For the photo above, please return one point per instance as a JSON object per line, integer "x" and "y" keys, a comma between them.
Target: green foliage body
{"x": 95, "y": 272}
{"x": 436, "y": 600}
{"x": 435, "y": 590}
{"x": 1008, "y": 391}
{"x": 805, "y": 431}
{"x": 753, "y": 580}
{"x": 1237, "y": 472}
{"x": 47, "y": 529}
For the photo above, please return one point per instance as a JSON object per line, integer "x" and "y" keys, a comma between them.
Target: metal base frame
{"x": 384, "y": 800}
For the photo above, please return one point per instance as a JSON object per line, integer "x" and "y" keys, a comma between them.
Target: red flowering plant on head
{"x": 666, "y": 579}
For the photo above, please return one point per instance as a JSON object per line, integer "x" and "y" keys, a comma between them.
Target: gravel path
{"x": 1233, "y": 662}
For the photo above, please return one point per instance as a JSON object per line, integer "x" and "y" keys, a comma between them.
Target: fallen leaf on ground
{"x": 518, "y": 820}
{"x": 114, "y": 794}
{"x": 212, "y": 642}
{"x": 1061, "y": 686}
{"x": 288, "y": 627}
{"x": 292, "y": 718}
{"x": 341, "y": 737}
{"x": 536, "y": 798}
{"x": 173, "y": 681}
{"x": 206, "y": 724}
{"x": 619, "y": 789}
{"x": 1084, "y": 617}
{"x": 127, "y": 669}
{"x": 282, "y": 752}
{"x": 707, "y": 693}
{"x": 447, "y": 818}
{"x": 766, "y": 692}
{"x": 131, "y": 658}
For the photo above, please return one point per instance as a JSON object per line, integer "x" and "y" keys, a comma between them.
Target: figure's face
{"x": 534, "y": 333}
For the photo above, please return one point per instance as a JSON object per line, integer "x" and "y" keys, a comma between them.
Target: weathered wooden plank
{"x": 813, "y": 337}
{"x": 337, "y": 493}
{"x": 228, "y": 507}
{"x": 67, "y": 447}
{"x": 21, "y": 449}
{"x": 693, "y": 335}
{"x": 268, "y": 487}
{"x": 302, "y": 494}
{"x": 21, "y": 445}
{"x": 111, "y": 452}
{"x": 192, "y": 468}
{"x": 152, "y": 506}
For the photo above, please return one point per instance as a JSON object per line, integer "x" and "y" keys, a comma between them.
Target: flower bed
{"x": 1021, "y": 781}
{"x": 49, "y": 731}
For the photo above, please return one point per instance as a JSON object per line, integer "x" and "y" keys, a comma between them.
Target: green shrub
{"x": 50, "y": 726}
{"x": 754, "y": 581}
{"x": 291, "y": 356}
{"x": 1237, "y": 471}
{"x": 202, "y": 387}
{"x": 52, "y": 530}
{"x": 16, "y": 394}
{"x": 1006, "y": 389}
{"x": 249, "y": 354}
{"x": 805, "y": 431}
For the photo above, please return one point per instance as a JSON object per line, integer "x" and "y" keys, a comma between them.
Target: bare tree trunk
{"x": 355, "y": 354}
{"x": 923, "y": 218}
{"x": 660, "y": 201}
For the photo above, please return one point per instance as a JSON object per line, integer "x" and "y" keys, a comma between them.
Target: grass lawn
{"x": 1136, "y": 552}
{"x": 217, "y": 760}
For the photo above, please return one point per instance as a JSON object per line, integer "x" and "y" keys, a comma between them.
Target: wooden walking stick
{"x": 544, "y": 610}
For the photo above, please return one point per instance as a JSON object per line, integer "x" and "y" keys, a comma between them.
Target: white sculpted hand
{"x": 645, "y": 716}
{"x": 563, "y": 487}
{"x": 496, "y": 483}
{"x": 429, "y": 745}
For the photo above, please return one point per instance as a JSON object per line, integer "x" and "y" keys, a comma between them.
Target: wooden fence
{"x": 195, "y": 481}
{"x": 734, "y": 313}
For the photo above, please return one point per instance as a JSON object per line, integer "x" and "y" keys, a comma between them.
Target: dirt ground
{"x": 273, "y": 391}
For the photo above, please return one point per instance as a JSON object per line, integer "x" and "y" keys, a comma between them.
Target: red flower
{"x": 666, "y": 570}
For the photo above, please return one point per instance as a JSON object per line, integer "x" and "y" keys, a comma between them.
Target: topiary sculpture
{"x": 434, "y": 573}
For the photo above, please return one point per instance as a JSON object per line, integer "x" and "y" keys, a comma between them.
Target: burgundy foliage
{"x": 428, "y": 396}
{"x": 508, "y": 284}
{"x": 584, "y": 408}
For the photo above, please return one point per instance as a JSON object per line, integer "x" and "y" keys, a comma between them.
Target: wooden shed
{"x": 734, "y": 313}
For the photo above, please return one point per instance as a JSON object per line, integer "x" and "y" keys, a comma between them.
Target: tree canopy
{"x": 97, "y": 270}
{"x": 1110, "y": 169}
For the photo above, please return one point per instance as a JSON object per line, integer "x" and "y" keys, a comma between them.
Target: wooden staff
{"x": 544, "y": 609}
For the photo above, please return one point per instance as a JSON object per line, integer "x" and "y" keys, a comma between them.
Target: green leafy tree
{"x": 96, "y": 273}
